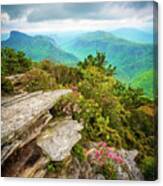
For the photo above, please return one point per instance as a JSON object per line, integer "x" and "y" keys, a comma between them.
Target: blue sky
{"x": 76, "y": 16}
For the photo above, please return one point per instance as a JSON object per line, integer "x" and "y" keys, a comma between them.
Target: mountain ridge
{"x": 133, "y": 34}
{"x": 38, "y": 47}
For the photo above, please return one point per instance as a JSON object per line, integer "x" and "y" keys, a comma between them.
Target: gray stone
{"x": 23, "y": 118}
{"x": 132, "y": 172}
{"x": 22, "y": 111}
{"x": 99, "y": 177}
{"x": 57, "y": 141}
{"x": 25, "y": 136}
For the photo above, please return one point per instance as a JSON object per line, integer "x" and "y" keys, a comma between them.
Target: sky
{"x": 63, "y": 17}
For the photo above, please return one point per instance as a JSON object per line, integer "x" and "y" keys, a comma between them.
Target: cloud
{"x": 77, "y": 15}
{"x": 15, "y": 11}
{"x": 5, "y": 18}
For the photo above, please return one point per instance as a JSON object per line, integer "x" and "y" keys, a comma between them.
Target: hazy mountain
{"x": 133, "y": 60}
{"x": 129, "y": 57}
{"x": 64, "y": 37}
{"x": 134, "y": 35}
{"x": 38, "y": 47}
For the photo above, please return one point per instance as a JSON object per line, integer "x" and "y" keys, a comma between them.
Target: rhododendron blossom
{"x": 103, "y": 153}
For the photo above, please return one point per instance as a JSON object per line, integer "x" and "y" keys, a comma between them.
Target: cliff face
{"x": 29, "y": 138}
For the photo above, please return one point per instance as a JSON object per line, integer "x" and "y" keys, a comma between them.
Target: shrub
{"x": 51, "y": 167}
{"x": 78, "y": 152}
{"x": 105, "y": 157}
{"x": 64, "y": 75}
{"x": 55, "y": 166}
{"x": 96, "y": 127}
{"x": 14, "y": 62}
{"x": 6, "y": 86}
{"x": 149, "y": 168}
{"x": 37, "y": 79}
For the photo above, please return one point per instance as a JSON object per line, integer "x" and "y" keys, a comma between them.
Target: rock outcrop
{"x": 75, "y": 169}
{"x": 58, "y": 140}
{"x": 26, "y": 119}
{"x": 132, "y": 172}
{"x": 32, "y": 137}
{"x": 24, "y": 116}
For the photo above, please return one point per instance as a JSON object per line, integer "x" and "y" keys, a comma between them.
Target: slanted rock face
{"x": 20, "y": 112}
{"x": 57, "y": 141}
{"x": 23, "y": 118}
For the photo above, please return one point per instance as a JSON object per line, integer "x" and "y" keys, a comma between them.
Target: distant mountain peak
{"x": 38, "y": 47}
{"x": 15, "y": 32}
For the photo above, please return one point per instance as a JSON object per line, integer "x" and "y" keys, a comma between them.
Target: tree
{"x": 14, "y": 62}
{"x": 99, "y": 61}
{"x": 110, "y": 71}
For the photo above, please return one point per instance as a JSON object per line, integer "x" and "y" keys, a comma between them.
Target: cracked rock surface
{"x": 21, "y": 111}
{"x": 57, "y": 141}
{"x": 23, "y": 118}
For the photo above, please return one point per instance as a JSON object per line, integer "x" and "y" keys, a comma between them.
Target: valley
{"x": 131, "y": 58}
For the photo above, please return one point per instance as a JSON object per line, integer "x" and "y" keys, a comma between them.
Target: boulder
{"x": 132, "y": 172}
{"x": 58, "y": 140}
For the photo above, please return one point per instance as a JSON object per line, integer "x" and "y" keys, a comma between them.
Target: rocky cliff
{"x": 30, "y": 136}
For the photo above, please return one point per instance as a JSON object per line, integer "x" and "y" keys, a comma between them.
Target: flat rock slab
{"x": 20, "y": 111}
{"x": 58, "y": 140}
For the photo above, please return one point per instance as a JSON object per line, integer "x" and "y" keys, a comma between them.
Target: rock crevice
{"x": 25, "y": 121}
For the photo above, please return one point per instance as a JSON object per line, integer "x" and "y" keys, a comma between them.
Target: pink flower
{"x": 119, "y": 159}
{"x": 97, "y": 154}
{"x": 101, "y": 152}
{"x": 110, "y": 155}
{"x": 110, "y": 148}
{"x": 104, "y": 144}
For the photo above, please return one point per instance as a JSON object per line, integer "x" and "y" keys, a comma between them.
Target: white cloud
{"x": 74, "y": 25}
{"x": 111, "y": 16}
{"x": 5, "y": 18}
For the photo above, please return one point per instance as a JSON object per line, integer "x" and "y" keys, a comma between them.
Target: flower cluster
{"x": 103, "y": 153}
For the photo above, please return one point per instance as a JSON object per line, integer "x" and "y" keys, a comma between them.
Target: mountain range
{"x": 129, "y": 57}
{"x": 38, "y": 47}
{"x": 135, "y": 35}
{"x": 134, "y": 60}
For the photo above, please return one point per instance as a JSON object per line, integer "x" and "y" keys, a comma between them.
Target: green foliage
{"x": 14, "y": 62}
{"x": 64, "y": 75}
{"x": 51, "y": 167}
{"x": 146, "y": 81}
{"x": 109, "y": 110}
{"x": 55, "y": 166}
{"x": 130, "y": 97}
{"x": 149, "y": 168}
{"x": 6, "y": 86}
{"x": 96, "y": 126}
{"x": 141, "y": 121}
{"x": 37, "y": 79}
{"x": 109, "y": 171}
{"x": 99, "y": 61}
{"x": 78, "y": 152}
{"x": 110, "y": 70}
